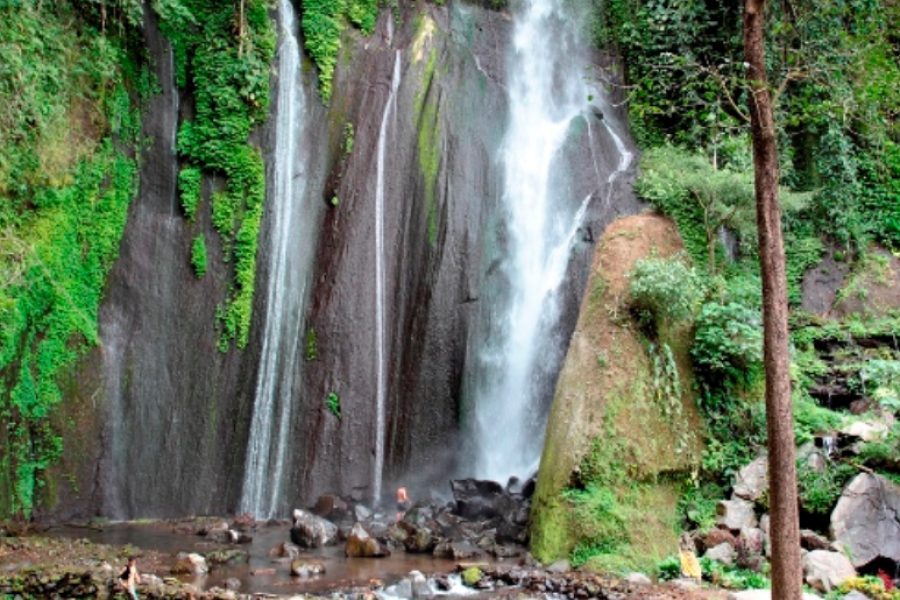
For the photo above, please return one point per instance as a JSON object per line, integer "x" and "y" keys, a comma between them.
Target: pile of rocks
{"x": 865, "y": 526}
{"x": 485, "y": 519}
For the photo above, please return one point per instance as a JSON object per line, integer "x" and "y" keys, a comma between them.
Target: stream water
{"x": 263, "y": 574}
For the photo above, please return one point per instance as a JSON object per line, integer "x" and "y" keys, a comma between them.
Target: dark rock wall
{"x": 448, "y": 120}
{"x": 173, "y": 412}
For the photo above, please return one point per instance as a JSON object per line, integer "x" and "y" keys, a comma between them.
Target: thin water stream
{"x": 380, "y": 350}
{"x": 268, "y": 445}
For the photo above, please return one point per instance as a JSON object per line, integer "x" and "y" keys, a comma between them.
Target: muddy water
{"x": 274, "y": 575}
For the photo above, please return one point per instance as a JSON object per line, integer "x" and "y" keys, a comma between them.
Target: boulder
{"x": 360, "y": 544}
{"x": 190, "y": 564}
{"x": 752, "y": 482}
{"x": 310, "y": 531}
{"x": 361, "y": 513}
{"x": 638, "y": 579}
{"x": 751, "y": 545}
{"x": 330, "y": 506}
{"x": 285, "y": 550}
{"x": 735, "y": 514}
{"x": 231, "y": 556}
{"x": 457, "y": 551}
{"x": 867, "y": 431}
{"x": 413, "y": 538}
{"x": 810, "y": 540}
{"x": 479, "y": 499}
{"x": 305, "y": 569}
{"x": 825, "y": 570}
{"x": 722, "y": 553}
{"x": 866, "y": 522}
{"x": 420, "y": 588}
{"x": 719, "y": 535}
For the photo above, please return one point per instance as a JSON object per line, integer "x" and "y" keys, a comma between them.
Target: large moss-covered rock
{"x": 608, "y": 416}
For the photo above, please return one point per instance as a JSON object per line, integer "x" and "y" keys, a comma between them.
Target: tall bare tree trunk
{"x": 785, "y": 530}
{"x": 784, "y": 525}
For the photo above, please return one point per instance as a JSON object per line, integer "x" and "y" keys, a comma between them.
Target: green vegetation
{"x": 333, "y": 402}
{"x": 223, "y": 53}
{"x": 323, "y": 23}
{"x": 198, "y": 255}
{"x": 65, "y": 184}
{"x": 839, "y": 137}
{"x": 663, "y": 293}
{"x": 312, "y": 345}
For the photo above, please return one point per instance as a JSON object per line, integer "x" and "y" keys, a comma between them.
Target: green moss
{"x": 472, "y": 576}
{"x": 429, "y": 149}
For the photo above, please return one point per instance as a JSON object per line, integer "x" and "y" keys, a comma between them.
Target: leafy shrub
{"x": 669, "y": 568}
{"x": 728, "y": 341}
{"x": 881, "y": 379}
{"x": 819, "y": 490}
{"x": 698, "y": 505}
{"x": 663, "y": 291}
{"x": 732, "y": 577}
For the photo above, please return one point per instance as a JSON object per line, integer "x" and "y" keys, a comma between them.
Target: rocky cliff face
{"x": 172, "y": 412}
{"x": 606, "y": 410}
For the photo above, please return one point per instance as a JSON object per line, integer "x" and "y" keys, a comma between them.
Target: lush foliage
{"x": 838, "y": 131}
{"x": 728, "y": 341}
{"x": 198, "y": 255}
{"x": 323, "y": 22}
{"x": 65, "y": 187}
{"x": 663, "y": 292}
{"x": 820, "y": 488}
{"x": 223, "y": 52}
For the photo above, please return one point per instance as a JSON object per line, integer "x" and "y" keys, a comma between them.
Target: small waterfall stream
{"x": 547, "y": 92}
{"x": 381, "y": 366}
{"x": 268, "y": 444}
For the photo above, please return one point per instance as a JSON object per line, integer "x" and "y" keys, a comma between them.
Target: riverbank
{"x": 35, "y": 565}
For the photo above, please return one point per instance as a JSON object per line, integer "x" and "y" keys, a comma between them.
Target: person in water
{"x": 129, "y": 578}
{"x": 403, "y": 503}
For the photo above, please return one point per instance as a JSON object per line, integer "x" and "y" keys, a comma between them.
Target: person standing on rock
{"x": 129, "y": 578}
{"x": 402, "y": 502}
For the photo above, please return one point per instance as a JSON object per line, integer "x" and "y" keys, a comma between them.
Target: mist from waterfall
{"x": 381, "y": 364}
{"x": 268, "y": 444}
{"x": 548, "y": 90}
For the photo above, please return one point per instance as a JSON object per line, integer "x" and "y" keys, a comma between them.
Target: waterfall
{"x": 381, "y": 374}
{"x": 547, "y": 92}
{"x": 285, "y": 292}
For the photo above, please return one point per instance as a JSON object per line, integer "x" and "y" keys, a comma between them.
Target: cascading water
{"x": 268, "y": 444}
{"x": 381, "y": 374}
{"x": 547, "y": 92}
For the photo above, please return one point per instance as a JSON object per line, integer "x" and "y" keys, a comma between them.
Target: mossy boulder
{"x": 609, "y": 427}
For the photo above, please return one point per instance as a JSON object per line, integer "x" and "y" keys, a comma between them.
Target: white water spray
{"x": 267, "y": 448}
{"x": 547, "y": 91}
{"x": 381, "y": 375}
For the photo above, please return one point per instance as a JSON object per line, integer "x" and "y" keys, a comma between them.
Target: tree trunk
{"x": 786, "y": 573}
